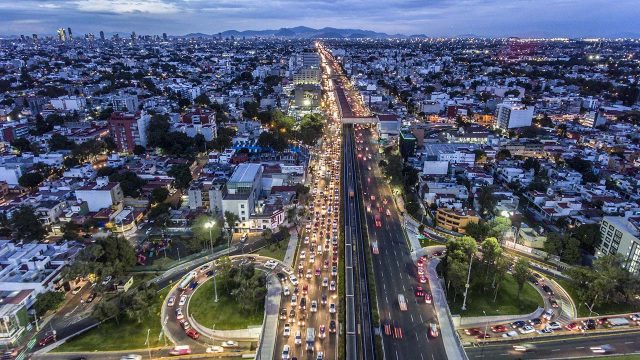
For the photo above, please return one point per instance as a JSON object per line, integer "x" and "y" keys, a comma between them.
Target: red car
{"x": 387, "y": 328}
{"x": 472, "y": 331}
{"x": 499, "y": 328}
{"x": 193, "y": 334}
{"x": 378, "y": 221}
{"x": 397, "y": 331}
{"x": 49, "y": 338}
{"x": 483, "y": 336}
{"x": 573, "y": 326}
{"x": 427, "y": 298}
{"x": 419, "y": 291}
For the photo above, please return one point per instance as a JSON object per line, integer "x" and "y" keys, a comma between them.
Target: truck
{"x": 617, "y": 322}
{"x": 187, "y": 280}
{"x": 311, "y": 338}
{"x": 402, "y": 302}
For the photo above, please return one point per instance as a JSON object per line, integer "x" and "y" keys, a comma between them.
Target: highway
{"x": 561, "y": 348}
{"x": 357, "y": 291}
{"x": 394, "y": 269}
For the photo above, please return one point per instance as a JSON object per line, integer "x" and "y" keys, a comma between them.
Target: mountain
{"x": 299, "y": 32}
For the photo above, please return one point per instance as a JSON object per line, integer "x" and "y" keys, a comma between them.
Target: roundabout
{"x": 187, "y": 303}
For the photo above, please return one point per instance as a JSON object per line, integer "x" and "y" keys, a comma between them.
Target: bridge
{"x": 346, "y": 112}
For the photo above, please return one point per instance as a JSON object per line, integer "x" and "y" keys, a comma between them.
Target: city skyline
{"x": 490, "y": 18}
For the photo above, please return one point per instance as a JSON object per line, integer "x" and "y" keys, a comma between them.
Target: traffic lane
{"x": 624, "y": 343}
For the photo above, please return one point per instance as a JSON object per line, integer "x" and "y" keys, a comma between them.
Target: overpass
{"x": 346, "y": 112}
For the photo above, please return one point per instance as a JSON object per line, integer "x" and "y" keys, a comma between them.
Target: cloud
{"x": 126, "y": 6}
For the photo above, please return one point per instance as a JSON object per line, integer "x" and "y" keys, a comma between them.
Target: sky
{"x": 493, "y": 18}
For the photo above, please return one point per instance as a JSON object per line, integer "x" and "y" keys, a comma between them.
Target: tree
{"x": 555, "y": 243}
{"x": 181, "y": 175}
{"x": 521, "y": 273}
{"x": 231, "y": 219}
{"x": 23, "y": 145}
{"x": 499, "y": 226}
{"x": 48, "y": 301}
{"x": 456, "y": 276}
{"x": 491, "y": 251}
{"x": 477, "y": 230}
{"x": 30, "y": 179}
{"x": 311, "y": 127}
{"x": 159, "y": 195}
{"x": 486, "y": 200}
{"x": 157, "y": 130}
{"x": 130, "y": 182}
{"x": 250, "y": 110}
{"x": 589, "y": 236}
{"x": 499, "y": 274}
{"x": 106, "y": 310}
{"x": 204, "y": 231}
{"x": 203, "y": 100}
{"x": 60, "y": 142}
{"x": 503, "y": 154}
{"x": 26, "y": 224}
{"x": 139, "y": 150}
{"x": 571, "y": 253}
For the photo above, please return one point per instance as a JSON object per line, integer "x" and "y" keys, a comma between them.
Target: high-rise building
{"x": 621, "y": 235}
{"x": 62, "y": 35}
{"x": 129, "y": 130}
{"x": 513, "y": 114}
{"x": 101, "y": 35}
{"x": 70, "y": 34}
{"x": 310, "y": 59}
{"x": 133, "y": 36}
{"x": 34, "y": 37}
{"x": 165, "y": 37}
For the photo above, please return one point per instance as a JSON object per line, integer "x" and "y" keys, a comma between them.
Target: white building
{"x": 100, "y": 194}
{"x": 513, "y": 115}
{"x": 243, "y": 190}
{"x": 621, "y": 235}
{"x": 126, "y": 103}
{"x": 69, "y": 103}
{"x": 10, "y": 173}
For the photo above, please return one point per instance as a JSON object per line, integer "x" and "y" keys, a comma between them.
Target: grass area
{"x": 424, "y": 242}
{"x": 507, "y": 302}
{"x": 276, "y": 251}
{"x": 225, "y": 314}
{"x": 602, "y": 309}
{"x": 130, "y": 334}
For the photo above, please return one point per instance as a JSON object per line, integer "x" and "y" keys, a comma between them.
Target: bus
{"x": 187, "y": 280}
{"x": 311, "y": 338}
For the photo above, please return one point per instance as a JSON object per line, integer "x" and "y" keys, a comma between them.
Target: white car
{"x": 286, "y": 291}
{"x": 171, "y": 301}
{"x": 271, "y": 264}
{"x": 511, "y": 333}
{"x": 332, "y": 308}
{"x": 298, "y": 339}
{"x": 294, "y": 280}
{"x": 325, "y": 282}
{"x": 214, "y": 349}
{"x": 332, "y": 285}
{"x": 183, "y": 300}
{"x": 314, "y": 306}
{"x": 320, "y": 356}
{"x": 287, "y": 330}
{"x": 527, "y": 329}
{"x": 601, "y": 349}
{"x": 285, "y": 352}
{"x": 635, "y": 317}
{"x": 554, "y": 325}
{"x": 303, "y": 254}
{"x": 294, "y": 300}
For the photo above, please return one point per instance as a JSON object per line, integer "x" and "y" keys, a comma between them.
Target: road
{"x": 575, "y": 347}
{"x": 316, "y": 259}
{"x": 394, "y": 269}
{"x": 358, "y": 303}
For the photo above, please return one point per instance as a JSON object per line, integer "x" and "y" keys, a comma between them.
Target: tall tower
{"x": 62, "y": 36}
{"x": 101, "y": 35}
{"x": 69, "y": 34}
{"x": 164, "y": 36}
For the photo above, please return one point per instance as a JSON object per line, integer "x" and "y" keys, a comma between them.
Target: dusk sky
{"x": 431, "y": 17}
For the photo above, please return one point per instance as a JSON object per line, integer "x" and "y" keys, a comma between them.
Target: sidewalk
{"x": 270, "y": 323}
{"x": 452, "y": 344}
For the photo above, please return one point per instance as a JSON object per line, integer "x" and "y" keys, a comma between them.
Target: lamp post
{"x": 209, "y": 225}
{"x": 466, "y": 286}
{"x": 215, "y": 286}
{"x": 484, "y": 335}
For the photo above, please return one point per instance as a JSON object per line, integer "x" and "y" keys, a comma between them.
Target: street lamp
{"x": 466, "y": 286}
{"x": 209, "y": 225}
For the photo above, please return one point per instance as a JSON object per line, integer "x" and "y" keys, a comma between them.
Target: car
{"x": 572, "y": 326}
{"x": 554, "y": 325}
{"x": 106, "y": 280}
{"x": 547, "y": 289}
{"x": 397, "y": 331}
{"x": 192, "y": 333}
{"x": 422, "y": 279}
{"x": 602, "y": 320}
{"x": 518, "y": 324}
{"x": 283, "y": 313}
{"x": 523, "y": 347}
{"x": 314, "y": 306}
{"x": 303, "y": 254}
{"x": 298, "y": 338}
{"x": 183, "y": 300}
{"x": 49, "y": 337}
{"x": 324, "y": 299}
{"x": 171, "y": 301}
{"x": 544, "y": 330}
{"x": 548, "y": 314}
{"x": 601, "y": 349}
{"x": 285, "y": 352}
{"x": 180, "y": 350}
{"x": 305, "y": 289}
{"x": 419, "y": 291}
{"x": 325, "y": 282}
{"x": 286, "y": 291}
{"x": 527, "y": 329}
{"x": 535, "y": 322}
{"x": 229, "y": 344}
{"x": 635, "y": 317}
{"x": 387, "y": 328}
{"x": 472, "y": 331}
{"x": 499, "y": 328}
{"x": 179, "y": 314}
{"x": 303, "y": 303}
{"x": 332, "y": 308}
{"x": 131, "y": 357}
{"x": 322, "y": 332}
{"x": 292, "y": 313}
{"x": 332, "y": 326}
{"x": 91, "y": 297}
{"x": 271, "y": 264}
{"x": 588, "y": 324}
{"x": 483, "y": 335}
{"x": 510, "y": 334}
{"x": 76, "y": 290}
{"x": 287, "y": 330}
{"x": 213, "y": 349}
{"x": 332, "y": 286}
{"x": 294, "y": 300}
{"x": 184, "y": 324}
{"x": 309, "y": 275}
{"x": 294, "y": 280}
{"x": 433, "y": 330}
{"x": 427, "y": 298}
{"x": 334, "y": 271}
{"x": 320, "y": 356}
